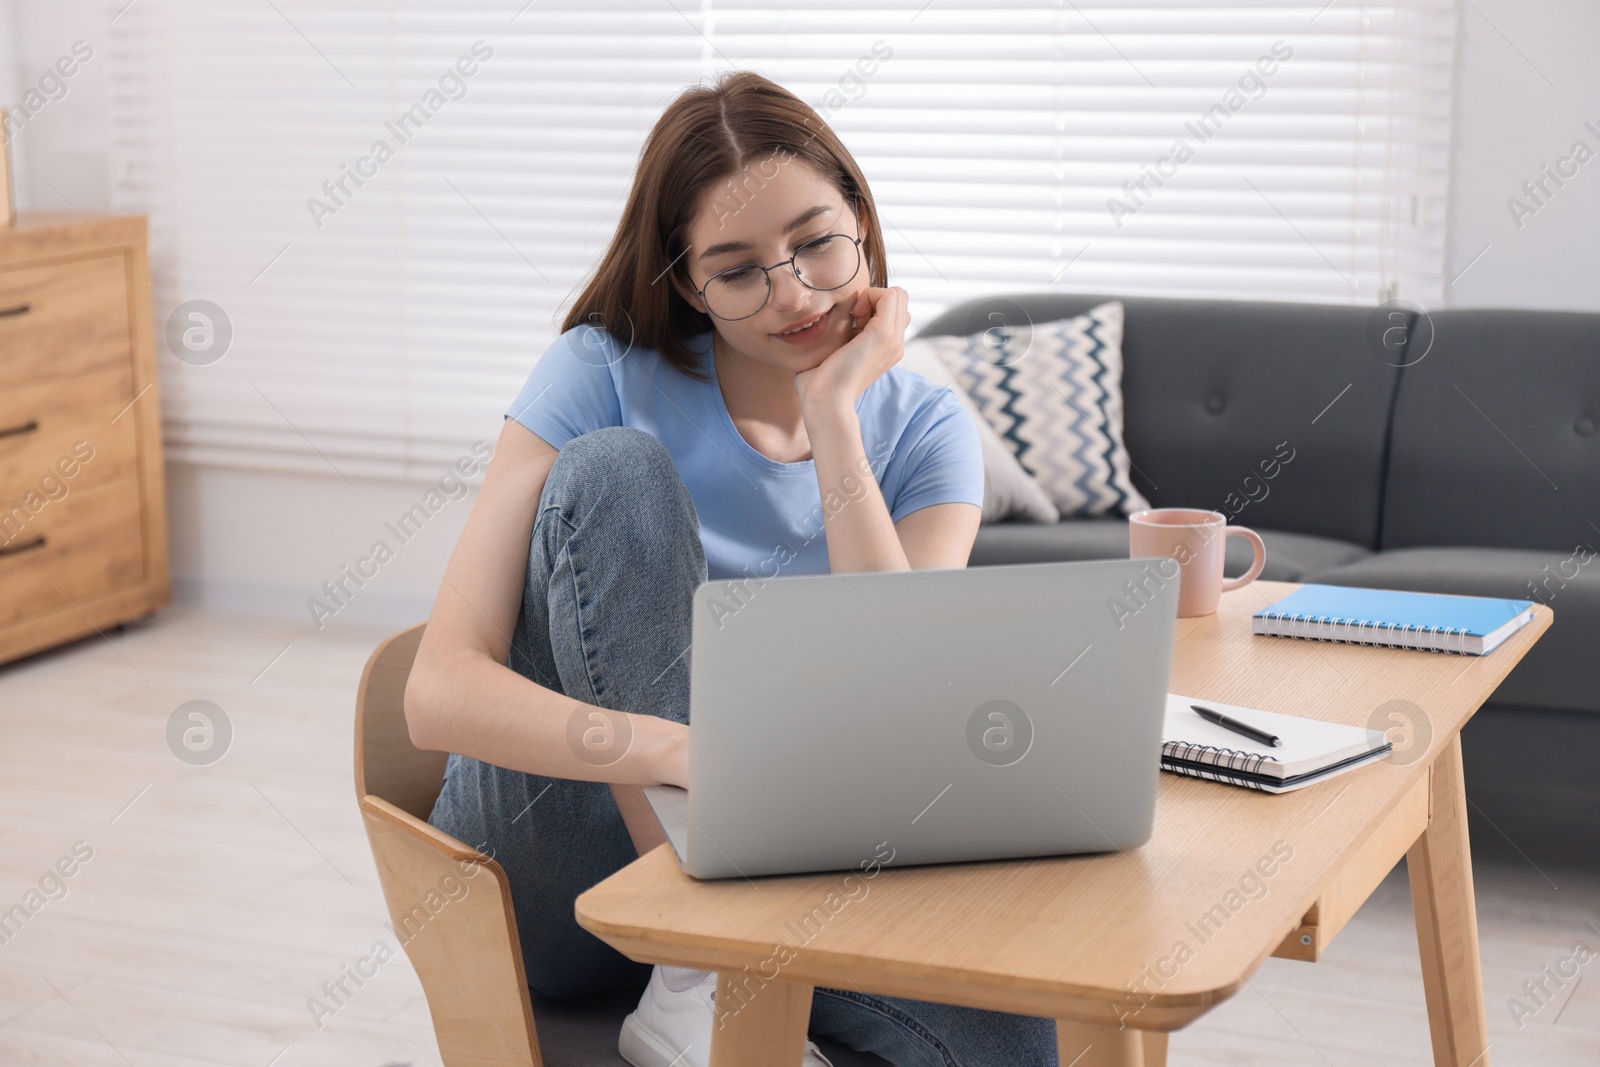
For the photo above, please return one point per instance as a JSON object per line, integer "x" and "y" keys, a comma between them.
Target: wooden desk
{"x": 1123, "y": 947}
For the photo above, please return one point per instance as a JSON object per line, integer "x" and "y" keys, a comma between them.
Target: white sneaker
{"x": 674, "y": 1029}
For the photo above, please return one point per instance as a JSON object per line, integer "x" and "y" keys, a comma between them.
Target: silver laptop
{"x": 843, "y": 721}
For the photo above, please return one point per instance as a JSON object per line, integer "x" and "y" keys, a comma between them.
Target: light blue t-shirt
{"x": 758, "y": 517}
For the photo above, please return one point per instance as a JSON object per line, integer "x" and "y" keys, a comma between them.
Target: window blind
{"x": 392, "y": 239}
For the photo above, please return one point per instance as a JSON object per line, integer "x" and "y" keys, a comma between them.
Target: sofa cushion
{"x": 1053, "y": 392}
{"x": 1069, "y": 539}
{"x": 1497, "y": 434}
{"x": 1009, "y": 491}
{"x": 1290, "y": 556}
{"x": 1560, "y": 670}
{"x": 1216, "y": 392}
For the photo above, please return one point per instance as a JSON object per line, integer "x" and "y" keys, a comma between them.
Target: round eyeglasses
{"x": 826, "y": 263}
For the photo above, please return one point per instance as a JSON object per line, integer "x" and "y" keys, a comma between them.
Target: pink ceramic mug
{"x": 1195, "y": 539}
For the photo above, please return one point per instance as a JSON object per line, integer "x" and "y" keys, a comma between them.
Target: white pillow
{"x": 1052, "y": 392}
{"x": 1008, "y": 490}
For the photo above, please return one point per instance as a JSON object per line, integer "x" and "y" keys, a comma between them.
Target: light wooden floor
{"x": 220, "y": 898}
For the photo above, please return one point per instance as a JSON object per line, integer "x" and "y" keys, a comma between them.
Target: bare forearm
{"x": 644, "y": 829}
{"x": 860, "y": 531}
{"x": 469, "y": 704}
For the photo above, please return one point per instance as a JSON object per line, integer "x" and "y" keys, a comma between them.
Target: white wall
{"x": 241, "y": 540}
{"x": 266, "y": 542}
{"x": 66, "y": 144}
{"x": 1510, "y": 121}
{"x": 8, "y": 54}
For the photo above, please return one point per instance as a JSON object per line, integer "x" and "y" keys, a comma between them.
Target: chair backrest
{"x": 388, "y": 765}
{"x": 450, "y": 905}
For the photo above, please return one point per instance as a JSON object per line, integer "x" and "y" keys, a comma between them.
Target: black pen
{"x": 1238, "y": 727}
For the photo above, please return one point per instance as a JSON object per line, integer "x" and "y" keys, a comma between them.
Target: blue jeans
{"x": 612, "y": 568}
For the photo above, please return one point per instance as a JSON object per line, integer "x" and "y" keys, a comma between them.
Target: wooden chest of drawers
{"x": 83, "y": 527}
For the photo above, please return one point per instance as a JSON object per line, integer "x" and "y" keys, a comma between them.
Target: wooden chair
{"x": 450, "y": 904}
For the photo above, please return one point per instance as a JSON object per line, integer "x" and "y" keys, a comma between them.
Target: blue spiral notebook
{"x": 1432, "y": 622}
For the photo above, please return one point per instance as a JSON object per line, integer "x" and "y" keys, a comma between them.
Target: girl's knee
{"x": 617, "y": 449}
{"x": 617, "y": 469}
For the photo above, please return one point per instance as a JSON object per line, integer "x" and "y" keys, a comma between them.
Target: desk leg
{"x": 762, "y": 1026}
{"x": 1440, "y": 866}
{"x": 1093, "y": 1045}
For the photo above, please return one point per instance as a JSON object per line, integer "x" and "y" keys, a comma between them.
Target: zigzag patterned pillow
{"x": 1053, "y": 392}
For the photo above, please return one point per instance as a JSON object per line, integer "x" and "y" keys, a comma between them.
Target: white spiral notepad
{"x": 1312, "y": 750}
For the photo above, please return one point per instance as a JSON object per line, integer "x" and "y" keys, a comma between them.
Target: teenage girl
{"x": 723, "y": 403}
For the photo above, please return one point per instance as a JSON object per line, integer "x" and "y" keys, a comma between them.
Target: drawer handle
{"x": 26, "y": 546}
{"x": 20, "y": 309}
{"x": 17, "y": 431}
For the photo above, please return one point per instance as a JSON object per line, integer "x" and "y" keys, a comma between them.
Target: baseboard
{"x": 372, "y": 607}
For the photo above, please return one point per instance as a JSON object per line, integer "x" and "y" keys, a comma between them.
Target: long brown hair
{"x": 706, "y": 135}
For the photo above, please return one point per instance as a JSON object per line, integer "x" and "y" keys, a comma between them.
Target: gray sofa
{"x": 1456, "y": 453}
